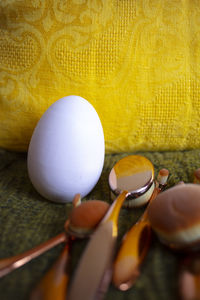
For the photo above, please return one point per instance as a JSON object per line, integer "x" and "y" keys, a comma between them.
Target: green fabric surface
{"x": 27, "y": 219}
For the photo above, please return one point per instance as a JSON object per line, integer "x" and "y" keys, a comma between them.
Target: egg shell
{"x": 66, "y": 151}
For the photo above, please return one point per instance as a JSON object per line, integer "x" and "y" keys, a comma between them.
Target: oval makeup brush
{"x": 82, "y": 221}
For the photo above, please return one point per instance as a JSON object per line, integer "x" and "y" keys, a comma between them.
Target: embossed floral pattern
{"x": 137, "y": 62}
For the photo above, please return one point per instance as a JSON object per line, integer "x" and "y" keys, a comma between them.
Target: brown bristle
{"x": 164, "y": 172}
{"x": 77, "y": 200}
{"x": 175, "y": 216}
{"x": 197, "y": 173}
{"x": 88, "y": 214}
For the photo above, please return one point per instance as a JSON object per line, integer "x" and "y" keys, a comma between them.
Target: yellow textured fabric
{"x": 137, "y": 62}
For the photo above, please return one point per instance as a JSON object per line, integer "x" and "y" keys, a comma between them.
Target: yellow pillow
{"x": 137, "y": 62}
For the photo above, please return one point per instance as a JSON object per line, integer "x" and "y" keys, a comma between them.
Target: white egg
{"x": 66, "y": 151}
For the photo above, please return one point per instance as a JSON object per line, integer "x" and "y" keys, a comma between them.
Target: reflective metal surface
{"x": 97, "y": 257}
{"x": 135, "y": 174}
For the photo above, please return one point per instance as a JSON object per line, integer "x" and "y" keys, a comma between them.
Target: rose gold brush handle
{"x": 53, "y": 285}
{"x": 132, "y": 252}
{"x": 135, "y": 244}
{"x": 7, "y": 265}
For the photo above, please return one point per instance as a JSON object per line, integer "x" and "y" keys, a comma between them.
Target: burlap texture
{"x": 26, "y": 219}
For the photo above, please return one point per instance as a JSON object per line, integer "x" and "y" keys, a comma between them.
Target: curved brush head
{"x": 175, "y": 217}
{"x": 85, "y": 217}
{"x": 162, "y": 177}
{"x": 135, "y": 174}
